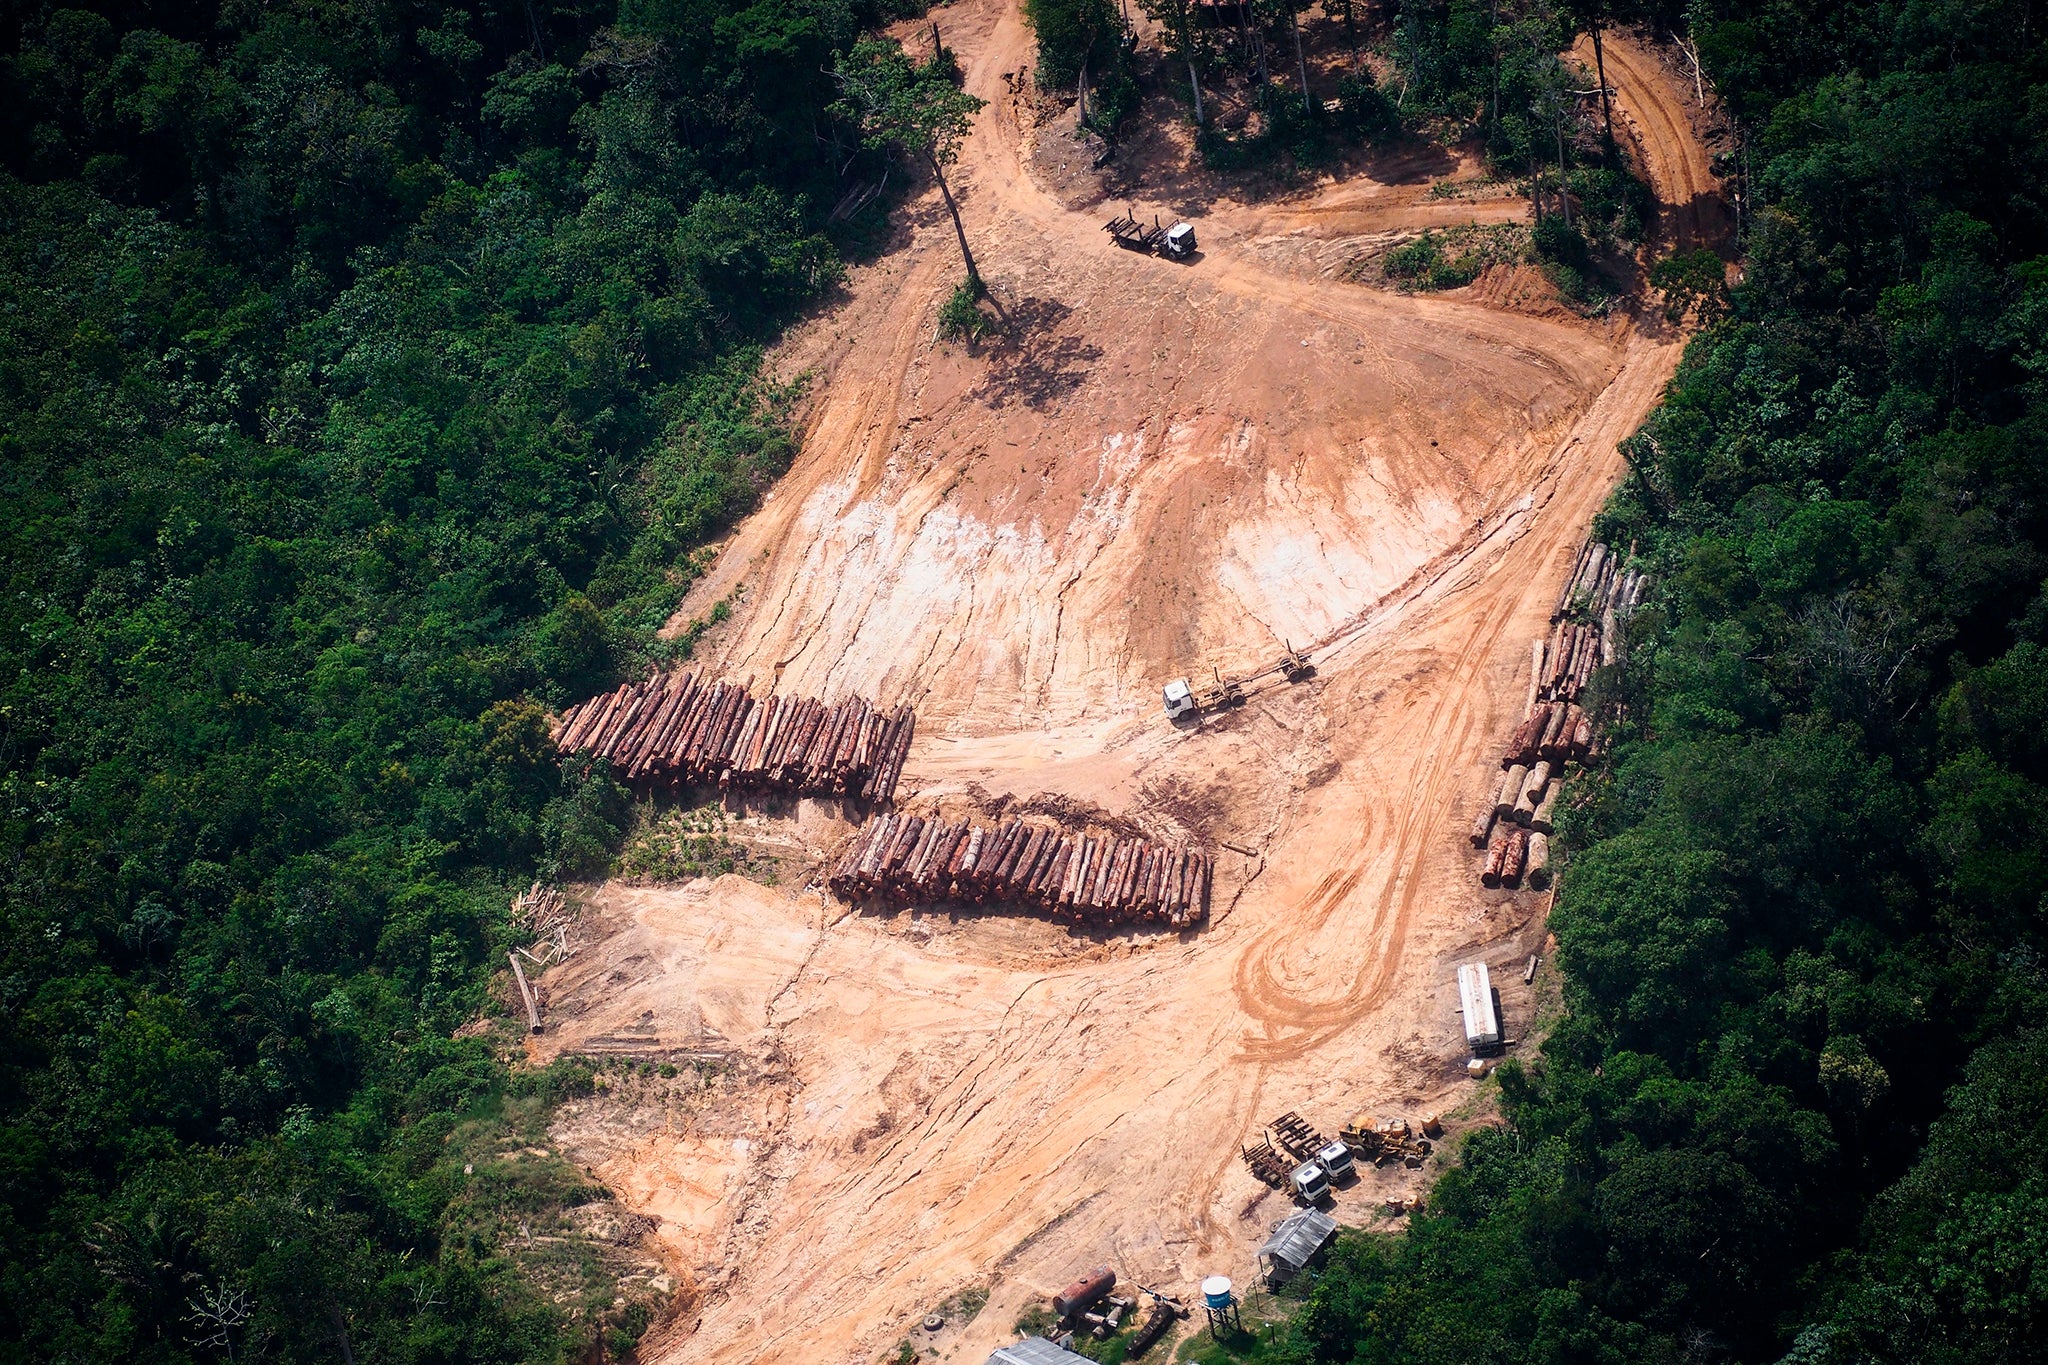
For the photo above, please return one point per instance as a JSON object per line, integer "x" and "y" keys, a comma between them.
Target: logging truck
{"x": 1183, "y": 698}
{"x": 1127, "y": 232}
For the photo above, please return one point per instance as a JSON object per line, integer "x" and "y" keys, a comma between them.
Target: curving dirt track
{"x": 1655, "y": 113}
{"x": 1179, "y": 466}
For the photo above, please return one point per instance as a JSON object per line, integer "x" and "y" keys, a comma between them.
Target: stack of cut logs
{"x": 1600, "y": 589}
{"x": 678, "y": 730}
{"x": 900, "y": 859}
{"x": 1515, "y": 826}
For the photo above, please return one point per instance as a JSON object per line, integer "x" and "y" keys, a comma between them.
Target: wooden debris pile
{"x": 1514, "y": 828}
{"x": 544, "y": 912}
{"x": 904, "y": 859}
{"x": 678, "y": 730}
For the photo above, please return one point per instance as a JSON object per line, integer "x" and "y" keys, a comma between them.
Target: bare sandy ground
{"x": 1176, "y": 466}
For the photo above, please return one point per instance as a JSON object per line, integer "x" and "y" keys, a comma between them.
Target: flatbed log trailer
{"x": 1295, "y": 1136}
{"x": 1130, "y": 234}
{"x": 1267, "y": 1166}
{"x": 1183, "y": 698}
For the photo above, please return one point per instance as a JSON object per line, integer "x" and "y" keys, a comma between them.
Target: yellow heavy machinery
{"x": 1385, "y": 1142}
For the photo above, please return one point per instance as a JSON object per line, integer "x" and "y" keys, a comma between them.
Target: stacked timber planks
{"x": 904, "y": 859}
{"x": 677, "y": 730}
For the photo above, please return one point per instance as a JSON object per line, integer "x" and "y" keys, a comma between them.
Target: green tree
{"x": 896, "y": 103}
{"x": 1184, "y": 38}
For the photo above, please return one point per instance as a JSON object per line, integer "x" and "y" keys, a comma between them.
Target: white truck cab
{"x": 1335, "y": 1159}
{"x": 1180, "y": 699}
{"x": 1180, "y": 239}
{"x": 1310, "y": 1183}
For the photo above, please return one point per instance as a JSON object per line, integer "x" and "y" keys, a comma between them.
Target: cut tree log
{"x": 1496, "y": 858}
{"x": 526, "y": 993}
{"x": 1515, "y": 859}
{"x": 1538, "y": 871}
{"x": 1510, "y": 791}
{"x": 1532, "y": 793}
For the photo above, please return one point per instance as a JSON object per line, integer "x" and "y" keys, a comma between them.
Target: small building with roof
{"x": 1034, "y": 1351}
{"x": 1299, "y": 1241}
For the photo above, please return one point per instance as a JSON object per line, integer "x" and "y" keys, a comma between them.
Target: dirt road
{"x": 1178, "y": 466}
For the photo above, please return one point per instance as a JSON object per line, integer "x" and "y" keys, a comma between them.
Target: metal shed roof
{"x": 1299, "y": 1237}
{"x": 1032, "y": 1351}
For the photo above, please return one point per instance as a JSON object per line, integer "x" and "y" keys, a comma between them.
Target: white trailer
{"x": 1482, "y": 1020}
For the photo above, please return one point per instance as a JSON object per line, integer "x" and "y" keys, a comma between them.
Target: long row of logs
{"x": 1599, "y": 583}
{"x": 1553, "y": 731}
{"x": 1601, "y": 590}
{"x": 1514, "y": 828}
{"x": 905, "y": 859}
{"x": 1521, "y": 812}
{"x": 681, "y": 730}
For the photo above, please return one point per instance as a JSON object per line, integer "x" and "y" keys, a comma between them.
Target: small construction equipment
{"x": 1296, "y": 1138}
{"x": 1384, "y": 1143}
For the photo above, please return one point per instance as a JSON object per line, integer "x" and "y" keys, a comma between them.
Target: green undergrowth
{"x": 677, "y": 844}
{"x": 1450, "y": 258}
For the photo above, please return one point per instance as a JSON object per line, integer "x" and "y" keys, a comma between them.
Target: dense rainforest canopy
{"x": 368, "y": 375}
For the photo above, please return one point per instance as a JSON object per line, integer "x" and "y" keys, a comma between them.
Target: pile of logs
{"x": 1521, "y": 811}
{"x": 901, "y": 859}
{"x": 1515, "y": 827}
{"x": 1519, "y": 855}
{"x": 1601, "y": 591}
{"x": 677, "y": 730}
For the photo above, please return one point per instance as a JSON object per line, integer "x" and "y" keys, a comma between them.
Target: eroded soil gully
{"x": 1179, "y": 466}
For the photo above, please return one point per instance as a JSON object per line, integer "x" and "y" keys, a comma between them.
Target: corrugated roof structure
{"x": 1297, "y": 1240}
{"x": 1032, "y": 1351}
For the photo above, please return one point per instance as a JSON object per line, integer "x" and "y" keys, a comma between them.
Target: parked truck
{"x": 1127, "y": 232}
{"x": 1310, "y": 1184}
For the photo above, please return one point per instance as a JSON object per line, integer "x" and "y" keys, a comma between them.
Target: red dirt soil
{"x": 1173, "y": 467}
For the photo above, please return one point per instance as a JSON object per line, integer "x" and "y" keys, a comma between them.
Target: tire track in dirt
{"x": 1678, "y": 171}
{"x": 1676, "y": 162}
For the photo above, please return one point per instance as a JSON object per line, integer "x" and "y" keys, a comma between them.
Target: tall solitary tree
{"x": 1177, "y": 18}
{"x": 916, "y": 109}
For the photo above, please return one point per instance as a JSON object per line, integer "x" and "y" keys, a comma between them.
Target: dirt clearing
{"x": 1169, "y": 467}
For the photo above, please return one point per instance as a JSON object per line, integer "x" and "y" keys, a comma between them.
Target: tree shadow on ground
{"x": 1031, "y": 362}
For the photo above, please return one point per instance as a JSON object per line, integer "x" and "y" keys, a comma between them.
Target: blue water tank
{"x": 1216, "y": 1292}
